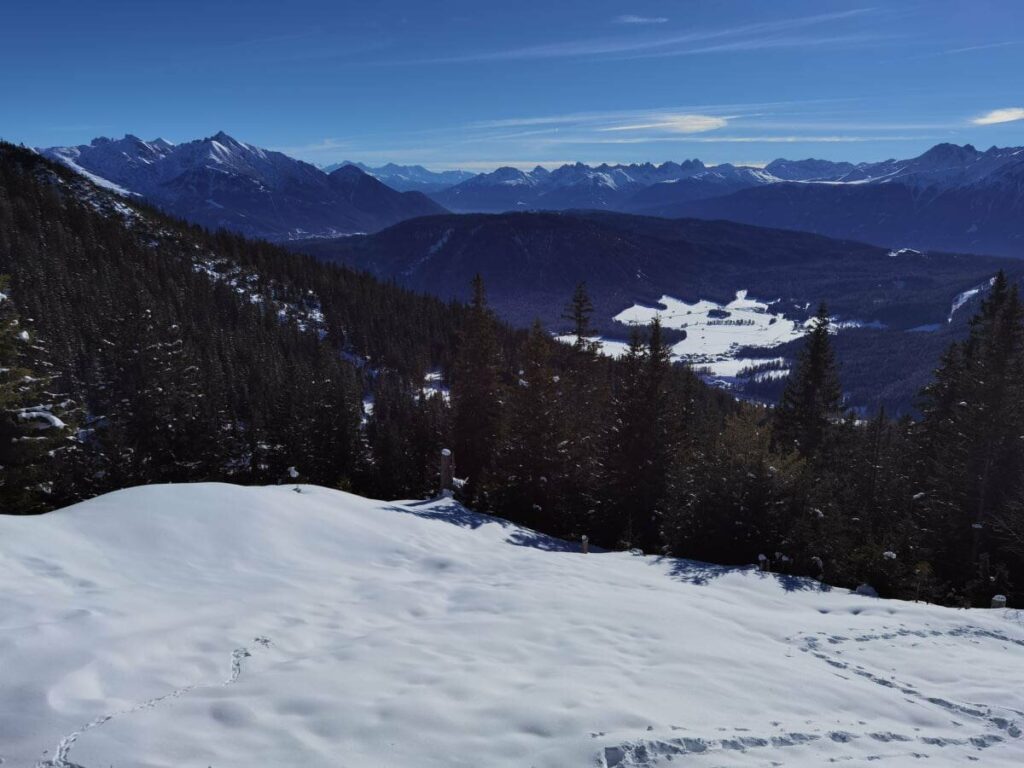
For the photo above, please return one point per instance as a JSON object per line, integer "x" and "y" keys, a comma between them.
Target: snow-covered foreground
{"x": 213, "y": 625}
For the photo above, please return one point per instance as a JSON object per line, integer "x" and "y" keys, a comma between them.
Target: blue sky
{"x": 481, "y": 84}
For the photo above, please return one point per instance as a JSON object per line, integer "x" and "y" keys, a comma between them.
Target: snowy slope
{"x": 213, "y": 625}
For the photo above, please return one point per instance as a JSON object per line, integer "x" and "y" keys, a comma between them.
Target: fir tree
{"x": 532, "y": 464}
{"x": 640, "y": 442}
{"x": 583, "y": 409}
{"x": 812, "y": 399}
{"x": 579, "y": 312}
{"x": 476, "y": 396}
{"x": 972, "y": 454}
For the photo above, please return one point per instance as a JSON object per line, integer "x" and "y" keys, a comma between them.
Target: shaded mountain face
{"x": 570, "y": 186}
{"x": 808, "y": 170}
{"x": 955, "y": 198}
{"x": 971, "y": 202}
{"x": 219, "y": 182}
{"x": 409, "y": 178}
{"x": 532, "y": 261}
{"x": 712, "y": 182}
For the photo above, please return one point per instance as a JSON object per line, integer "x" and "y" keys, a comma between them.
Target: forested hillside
{"x": 893, "y": 308}
{"x": 134, "y": 350}
{"x": 174, "y": 354}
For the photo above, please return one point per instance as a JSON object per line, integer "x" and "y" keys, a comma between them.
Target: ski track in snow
{"x": 63, "y": 750}
{"x": 991, "y": 724}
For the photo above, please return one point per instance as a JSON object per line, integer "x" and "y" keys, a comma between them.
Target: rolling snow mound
{"x": 215, "y": 625}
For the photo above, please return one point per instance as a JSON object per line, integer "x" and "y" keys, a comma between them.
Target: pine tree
{"x": 812, "y": 399}
{"x": 476, "y": 396}
{"x": 579, "y": 312}
{"x": 641, "y": 441}
{"x": 972, "y": 453}
{"x": 584, "y": 409}
{"x": 531, "y": 468}
{"x": 730, "y": 500}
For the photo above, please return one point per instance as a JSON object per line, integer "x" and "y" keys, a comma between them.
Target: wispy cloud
{"x": 769, "y": 43}
{"x": 772, "y": 139}
{"x": 629, "y": 18}
{"x": 996, "y": 116}
{"x": 621, "y": 116}
{"x": 676, "y": 124}
{"x": 983, "y": 47}
{"x": 743, "y": 37}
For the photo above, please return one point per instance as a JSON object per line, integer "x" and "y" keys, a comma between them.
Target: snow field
{"x": 215, "y": 625}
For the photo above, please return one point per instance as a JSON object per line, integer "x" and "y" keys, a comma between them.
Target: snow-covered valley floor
{"x": 213, "y": 625}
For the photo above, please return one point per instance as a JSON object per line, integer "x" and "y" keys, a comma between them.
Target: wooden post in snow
{"x": 446, "y": 470}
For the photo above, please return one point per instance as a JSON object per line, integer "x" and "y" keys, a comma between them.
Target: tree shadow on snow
{"x": 701, "y": 574}
{"x": 450, "y": 511}
{"x": 792, "y": 583}
{"x": 523, "y": 537}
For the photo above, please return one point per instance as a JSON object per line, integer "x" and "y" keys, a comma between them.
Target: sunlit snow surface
{"x": 714, "y": 332}
{"x": 213, "y": 625}
{"x": 962, "y": 298}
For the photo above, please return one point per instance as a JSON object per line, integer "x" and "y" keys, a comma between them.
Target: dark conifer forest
{"x": 136, "y": 349}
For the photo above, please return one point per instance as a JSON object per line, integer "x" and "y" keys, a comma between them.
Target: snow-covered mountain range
{"x": 954, "y": 198}
{"x": 951, "y": 197}
{"x": 220, "y": 182}
{"x": 409, "y": 178}
{"x": 210, "y": 624}
{"x": 582, "y": 186}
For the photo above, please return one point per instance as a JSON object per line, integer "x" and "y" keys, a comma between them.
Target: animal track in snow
{"x": 998, "y": 723}
{"x": 1001, "y": 718}
{"x": 648, "y": 753}
{"x": 61, "y": 754}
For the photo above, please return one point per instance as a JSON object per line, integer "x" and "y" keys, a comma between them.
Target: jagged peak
{"x": 223, "y": 138}
{"x": 949, "y": 150}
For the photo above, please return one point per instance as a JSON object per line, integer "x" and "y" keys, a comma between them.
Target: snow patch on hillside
{"x": 210, "y": 624}
{"x": 962, "y": 298}
{"x": 716, "y": 332}
{"x": 99, "y": 181}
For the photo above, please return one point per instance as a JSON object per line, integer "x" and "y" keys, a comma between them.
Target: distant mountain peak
{"x": 949, "y": 151}
{"x": 223, "y": 138}
{"x": 220, "y": 182}
{"x": 348, "y": 170}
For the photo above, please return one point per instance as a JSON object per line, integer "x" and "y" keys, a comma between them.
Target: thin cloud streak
{"x": 621, "y": 45}
{"x": 652, "y": 115}
{"x": 740, "y": 139}
{"x": 984, "y": 47}
{"x": 631, "y": 19}
{"x": 771, "y": 43}
{"x": 676, "y": 124}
